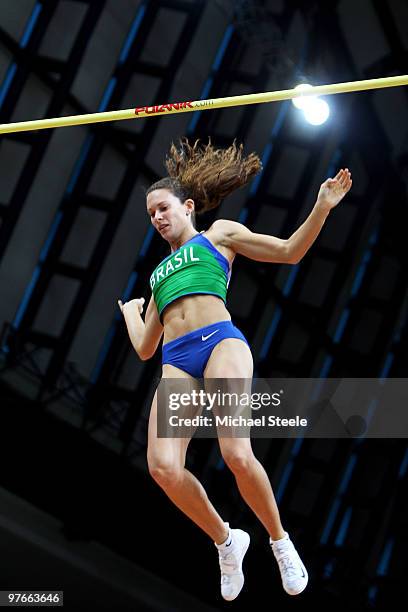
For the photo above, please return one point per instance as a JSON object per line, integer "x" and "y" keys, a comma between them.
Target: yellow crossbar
{"x": 200, "y": 105}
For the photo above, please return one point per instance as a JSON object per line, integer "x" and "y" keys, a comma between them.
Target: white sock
{"x": 227, "y": 543}
{"x": 285, "y": 537}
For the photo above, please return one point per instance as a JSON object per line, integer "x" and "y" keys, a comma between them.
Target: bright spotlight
{"x": 303, "y": 101}
{"x": 318, "y": 112}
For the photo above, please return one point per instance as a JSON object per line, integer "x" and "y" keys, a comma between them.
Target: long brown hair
{"x": 205, "y": 174}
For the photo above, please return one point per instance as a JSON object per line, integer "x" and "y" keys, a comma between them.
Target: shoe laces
{"x": 287, "y": 566}
{"x": 228, "y": 563}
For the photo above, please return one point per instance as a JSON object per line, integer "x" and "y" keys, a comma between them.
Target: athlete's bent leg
{"x": 166, "y": 461}
{"x": 253, "y": 483}
{"x": 232, "y": 359}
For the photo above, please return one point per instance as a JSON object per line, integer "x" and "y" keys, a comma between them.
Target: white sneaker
{"x": 293, "y": 572}
{"x": 230, "y": 558}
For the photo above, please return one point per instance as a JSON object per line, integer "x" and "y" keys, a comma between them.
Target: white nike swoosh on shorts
{"x": 204, "y": 338}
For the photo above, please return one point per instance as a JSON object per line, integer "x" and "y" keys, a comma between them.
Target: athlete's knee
{"x": 239, "y": 462}
{"x": 165, "y": 473}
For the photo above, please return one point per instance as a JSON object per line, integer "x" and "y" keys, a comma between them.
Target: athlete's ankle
{"x": 223, "y": 539}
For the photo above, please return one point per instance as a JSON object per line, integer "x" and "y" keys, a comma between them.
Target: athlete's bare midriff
{"x": 194, "y": 311}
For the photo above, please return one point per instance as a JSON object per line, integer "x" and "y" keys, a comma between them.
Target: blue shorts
{"x": 192, "y": 351}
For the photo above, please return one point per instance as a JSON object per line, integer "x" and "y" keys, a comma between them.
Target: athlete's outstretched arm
{"x": 262, "y": 247}
{"x": 144, "y": 335}
{"x": 331, "y": 192}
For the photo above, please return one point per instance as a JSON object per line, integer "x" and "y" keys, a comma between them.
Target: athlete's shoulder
{"x": 226, "y": 227}
{"x": 218, "y": 234}
{"x": 222, "y": 230}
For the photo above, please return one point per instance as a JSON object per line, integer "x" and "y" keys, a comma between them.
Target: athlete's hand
{"x": 134, "y": 306}
{"x": 334, "y": 189}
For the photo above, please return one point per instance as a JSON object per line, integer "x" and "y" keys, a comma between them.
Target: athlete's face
{"x": 168, "y": 215}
